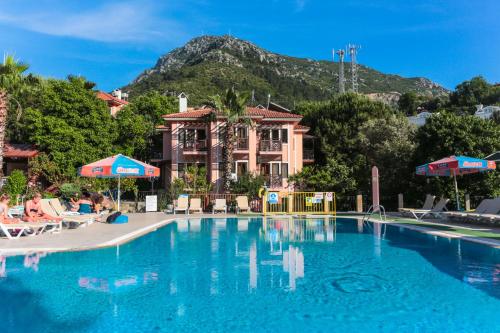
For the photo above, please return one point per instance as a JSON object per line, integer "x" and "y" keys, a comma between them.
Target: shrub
{"x": 248, "y": 184}
{"x": 16, "y": 184}
{"x": 68, "y": 190}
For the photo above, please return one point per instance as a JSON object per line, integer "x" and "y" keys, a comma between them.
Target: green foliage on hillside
{"x": 208, "y": 65}
{"x": 462, "y": 100}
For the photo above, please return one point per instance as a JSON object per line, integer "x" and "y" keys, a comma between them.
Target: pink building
{"x": 276, "y": 147}
{"x": 116, "y": 100}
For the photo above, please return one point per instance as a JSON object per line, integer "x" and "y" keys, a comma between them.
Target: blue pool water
{"x": 250, "y": 275}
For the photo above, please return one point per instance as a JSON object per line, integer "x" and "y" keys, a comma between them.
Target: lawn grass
{"x": 451, "y": 228}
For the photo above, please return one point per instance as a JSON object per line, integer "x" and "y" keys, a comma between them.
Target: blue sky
{"x": 111, "y": 42}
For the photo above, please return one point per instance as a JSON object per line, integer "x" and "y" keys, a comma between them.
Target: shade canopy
{"x": 119, "y": 166}
{"x": 455, "y": 165}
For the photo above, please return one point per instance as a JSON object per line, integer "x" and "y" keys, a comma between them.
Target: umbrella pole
{"x": 456, "y": 189}
{"x": 118, "y": 192}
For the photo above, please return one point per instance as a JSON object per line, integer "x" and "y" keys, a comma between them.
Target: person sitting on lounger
{"x": 84, "y": 204}
{"x": 33, "y": 211}
{"x": 97, "y": 202}
{"x": 4, "y": 209}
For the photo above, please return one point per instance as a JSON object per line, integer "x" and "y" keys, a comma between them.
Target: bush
{"x": 248, "y": 184}
{"x": 16, "y": 184}
{"x": 68, "y": 190}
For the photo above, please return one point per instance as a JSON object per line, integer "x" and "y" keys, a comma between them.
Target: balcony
{"x": 270, "y": 146}
{"x": 195, "y": 146}
{"x": 308, "y": 155}
{"x": 274, "y": 181}
{"x": 241, "y": 144}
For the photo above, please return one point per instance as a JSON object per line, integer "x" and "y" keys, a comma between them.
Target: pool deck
{"x": 100, "y": 235}
{"x": 96, "y": 235}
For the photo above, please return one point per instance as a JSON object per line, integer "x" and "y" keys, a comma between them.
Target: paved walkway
{"x": 96, "y": 235}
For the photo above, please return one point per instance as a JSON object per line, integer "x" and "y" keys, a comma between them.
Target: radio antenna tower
{"x": 353, "y": 51}
{"x": 341, "y": 54}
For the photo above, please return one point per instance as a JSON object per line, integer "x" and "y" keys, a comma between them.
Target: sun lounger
{"x": 436, "y": 211}
{"x": 195, "y": 205}
{"x": 428, "y": 204}
{"x": 480, "y": 209}
{"x": 220, "y": 206}
{"x": 489, "y": 214}
{"x": 182, "y": 205}
{"x": 71, "y": 218}
{"x": 242, "y": 204}
{"x": 16, "y": 230}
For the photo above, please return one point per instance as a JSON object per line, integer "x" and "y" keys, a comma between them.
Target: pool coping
{"x": 132, "y": 235}
{"x": 440, "y": 233}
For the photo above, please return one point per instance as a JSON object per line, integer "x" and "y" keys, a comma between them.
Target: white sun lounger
{"x": 428, "y": 204}
{"x": 195, "y": 205}
{"x": 71, "y": 218}
{"x": 182, "y": 205}
{"x": 220, "y": 206}
{"x": 436, "y": 211}
{"x": 16, "y": 230}
{"x": 242, "y": 204}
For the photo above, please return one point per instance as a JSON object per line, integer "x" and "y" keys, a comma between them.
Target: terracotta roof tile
{"x": 252, "y": 112}
{"x": 19, "y": 150}
{"x": 110, "y": 98}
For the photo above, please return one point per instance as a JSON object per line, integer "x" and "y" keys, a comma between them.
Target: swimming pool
{"x": 258, "y": 275}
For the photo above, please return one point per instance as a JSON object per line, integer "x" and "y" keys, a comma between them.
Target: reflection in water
{"x": 114, "y": 284}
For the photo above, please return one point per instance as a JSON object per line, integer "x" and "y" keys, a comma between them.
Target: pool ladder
{"x": 371, "y": 211}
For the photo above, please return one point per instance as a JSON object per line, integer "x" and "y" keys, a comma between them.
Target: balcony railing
{"x": 241, "y": 144}
{"x": 270, "y": 145}
{"x": 195, "y": 145}
{"x": 274, "y": 181}
{"x": 308, "y": 154}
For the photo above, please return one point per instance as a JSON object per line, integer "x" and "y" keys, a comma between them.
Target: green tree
{"x": 13, "y": 83}
{"x": 248, "y": 184}
{"x": 409, "y": 102}
{"x": 232, "y": 106}
{"x": 71, "y": 125}
{"x": 196, "y": 180}
{"x": 448, "y": 134}
{"x": 333, "y": 176}
{"x": 135, "y": 133}
{"x": 470, "y": 93}
{"x": 389, "y": 144}
{"x": 143, "y": 114}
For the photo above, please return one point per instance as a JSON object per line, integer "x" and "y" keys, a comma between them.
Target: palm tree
{"x": 232, "y": 106}
{"x": 3, "y": 125}
{"x": 12, "y": 78}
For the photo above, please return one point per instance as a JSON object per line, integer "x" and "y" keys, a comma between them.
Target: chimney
{"x": 183, "y": 104}
{"x": 117, "y": 93}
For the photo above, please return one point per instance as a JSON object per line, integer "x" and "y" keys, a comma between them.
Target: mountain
{"x": 206, "y": 65}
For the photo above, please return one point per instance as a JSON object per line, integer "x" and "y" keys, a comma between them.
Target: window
{"x": 284, "y": 135}
{"x": 284, "y": 170}
{"x": 201, "y": 134}
{"x": 275, "y": 134}
{"x": 265, "y": 135}
{"x": 241, "y": 132}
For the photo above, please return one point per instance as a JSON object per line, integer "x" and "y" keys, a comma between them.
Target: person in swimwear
{"x": 4, "y": 209}
{"x": 33, "y": 211}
